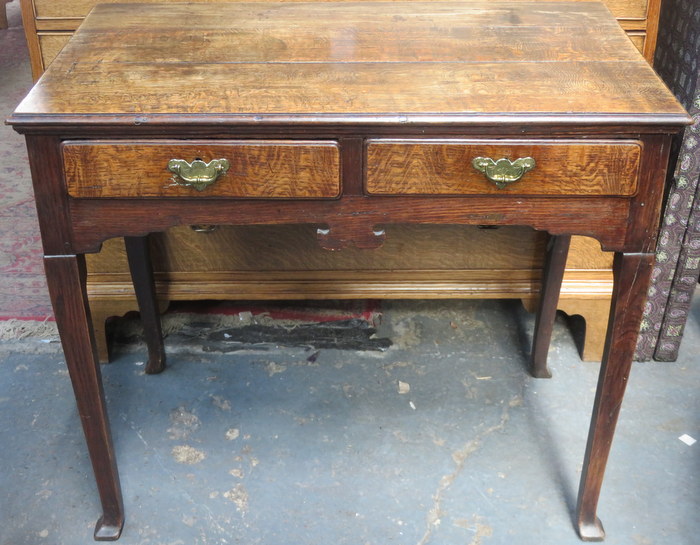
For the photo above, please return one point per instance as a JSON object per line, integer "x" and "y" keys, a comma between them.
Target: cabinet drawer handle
{"x": 503, "y": 171}
{"x": 197, "y": 174}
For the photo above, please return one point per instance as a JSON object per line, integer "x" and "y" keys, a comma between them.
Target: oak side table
{"x": 350, "y": 118}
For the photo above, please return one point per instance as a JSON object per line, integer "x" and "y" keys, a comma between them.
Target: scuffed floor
{"x": 440, "y": 438}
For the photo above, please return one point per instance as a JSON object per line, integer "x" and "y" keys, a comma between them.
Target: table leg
{"x": 66, "y": 276}
{"x": 3, "y": 13}
{"x": 632, "y": 273}
{"x": 139, "y": 255}
{"x": 552, "y": 275}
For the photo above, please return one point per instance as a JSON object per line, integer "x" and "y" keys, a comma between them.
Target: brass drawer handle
{"x": 503, "y": 171}
{"x": 197, "y": 174}
{"x": 204, "y": 228}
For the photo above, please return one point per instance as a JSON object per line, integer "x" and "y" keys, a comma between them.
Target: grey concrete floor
{"x": 442, "y": 438}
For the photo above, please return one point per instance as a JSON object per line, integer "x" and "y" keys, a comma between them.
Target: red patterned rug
{"x": 23, "y": 292}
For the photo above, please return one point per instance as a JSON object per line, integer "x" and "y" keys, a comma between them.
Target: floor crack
{"x": 460, "y": 457}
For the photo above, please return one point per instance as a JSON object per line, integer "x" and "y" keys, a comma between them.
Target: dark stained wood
{"x": 66, "y": 280}
{"x": 51, "y": 200}
{"x": 632, "y": 275}
{"x": 270, "y": 169}
{"x": 48, "y": 24}
{"x": 412, "y": 89}
{"x": 645, "y": 211}
{"x": 553, "y": 274}
{"x": 139, "y": 255}
{"x": 352, "y": 167}
{"x": 445, "y": 167}
{"x": 544, "y": 95}
{"x": 257, "y": 37}
{"x": 207, "y": 43}
{"x": 119, "y": 217}
{"x": 341, "y": 234}
{"x": 558, "y": 77}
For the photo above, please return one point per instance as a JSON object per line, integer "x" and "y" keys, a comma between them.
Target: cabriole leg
{"x": 139, "y": 256}
{"x": 65, "y": 276}
{"x": 632, "y": 275}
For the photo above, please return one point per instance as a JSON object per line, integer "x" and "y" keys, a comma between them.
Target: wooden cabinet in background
{"x": 49, "y": 23}
{"x": 285, "y": 262}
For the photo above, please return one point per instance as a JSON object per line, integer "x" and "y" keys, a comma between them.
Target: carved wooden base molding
{"x": 585, "y": 293}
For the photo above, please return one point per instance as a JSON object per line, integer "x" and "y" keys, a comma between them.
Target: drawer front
{"x": 625, "y": 9}
{"x": 51, "y": 44}
{"x": 80, "y": 8}
{"x": 446, "y": 167}
{"x": 638, "y": 39}
{"x": 628, "y": 9}
{"x": 256, "y": 169}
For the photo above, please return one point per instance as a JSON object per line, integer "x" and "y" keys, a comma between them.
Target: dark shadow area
{"x": 550, "y": 455}
{"x": 343, "y": 334}
{"x": 525, "y": 326}
{"x": 577, "y": 327}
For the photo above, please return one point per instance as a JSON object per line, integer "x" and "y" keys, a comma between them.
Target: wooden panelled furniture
{"x": 352, "y": 121}
{"x": 416, "y": 261}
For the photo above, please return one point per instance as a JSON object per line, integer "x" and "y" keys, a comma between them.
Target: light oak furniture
{"x": 351, "y": 121}
{"x": 416, "y": 262}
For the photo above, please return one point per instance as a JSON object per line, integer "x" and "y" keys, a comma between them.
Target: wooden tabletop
{"x": 383, "y": 62}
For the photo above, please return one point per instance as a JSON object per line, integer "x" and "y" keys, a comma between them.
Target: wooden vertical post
{"x": 632, "y": 274}
{"x": 66, "y": 276}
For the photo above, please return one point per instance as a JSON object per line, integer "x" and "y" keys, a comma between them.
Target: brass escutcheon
{"x": 197, "y": 174}
{"x": 503, "y": 171}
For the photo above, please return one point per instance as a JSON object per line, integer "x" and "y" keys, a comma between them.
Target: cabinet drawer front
{"x": 625, "y": 9}
{"x": 51, "y": 44}
{"x": 80, "y": 8}
{"x": 257, "y": 169}
{"x": 445, "y": 167}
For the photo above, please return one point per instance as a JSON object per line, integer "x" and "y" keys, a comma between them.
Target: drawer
{"x": 638, "y": 39}
{"x": 257, "y": 169}
{"x": 628, "y": 9}
{"x": 622, "y": 9}
{"x": 80, "y": 8}
{"x": 51, "y": 44}
{"x": 446, "y": 167}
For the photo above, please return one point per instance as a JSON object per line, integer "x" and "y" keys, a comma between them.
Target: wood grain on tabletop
{"x": 325, "y": 58}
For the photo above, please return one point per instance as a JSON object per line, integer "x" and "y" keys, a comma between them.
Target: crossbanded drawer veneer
{"x": 257, "y": 169}
{"x": 435, "y": 167}
{"x": 415, "y": 262}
